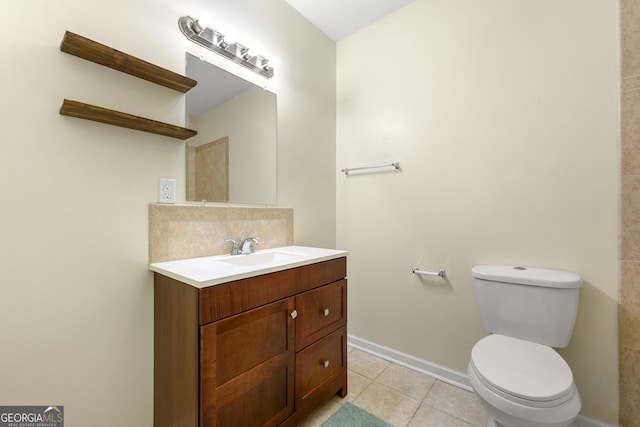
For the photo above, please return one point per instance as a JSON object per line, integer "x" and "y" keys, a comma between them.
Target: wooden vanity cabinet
{"x": 263, "y": 351}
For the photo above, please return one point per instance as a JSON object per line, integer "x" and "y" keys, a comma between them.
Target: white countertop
{"x": 214, "y": 270}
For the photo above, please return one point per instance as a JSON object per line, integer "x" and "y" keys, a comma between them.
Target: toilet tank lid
{"x": 527, "y": 276}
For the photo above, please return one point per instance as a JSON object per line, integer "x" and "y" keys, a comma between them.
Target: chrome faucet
{"x": 246, "y": 247}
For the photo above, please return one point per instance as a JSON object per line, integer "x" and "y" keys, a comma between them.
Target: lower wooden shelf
{"x": 112, "y": 117}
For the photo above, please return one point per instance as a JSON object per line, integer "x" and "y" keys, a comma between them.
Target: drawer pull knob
{"x": 325, "y": 363}
{"x": 325, "y": 311}
{"x": 294, "y": 314}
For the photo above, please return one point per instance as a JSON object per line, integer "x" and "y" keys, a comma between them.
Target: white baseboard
{"x": 583, "y": 421}
{"x": 447, "y": 375}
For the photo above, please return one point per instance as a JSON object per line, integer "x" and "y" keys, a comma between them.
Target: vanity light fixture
{"x": 207, "y": 37}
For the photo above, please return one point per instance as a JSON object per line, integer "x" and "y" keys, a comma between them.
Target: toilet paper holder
{"x": 441, "y": 273}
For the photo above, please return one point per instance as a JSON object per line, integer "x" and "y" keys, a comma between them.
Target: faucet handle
{"x": 235, "y": 249}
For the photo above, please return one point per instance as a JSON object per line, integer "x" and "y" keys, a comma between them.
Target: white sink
{"x": 266, "y": 258}
{"x": 214, "y": 270}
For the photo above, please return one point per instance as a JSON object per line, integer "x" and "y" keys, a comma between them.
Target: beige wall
{"x": 630, "y": 215}
{"x": 503, "y": 116}
{"x": 76, "y": 303}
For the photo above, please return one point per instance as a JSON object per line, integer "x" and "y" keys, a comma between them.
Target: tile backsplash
{"x": 189, "y": 231}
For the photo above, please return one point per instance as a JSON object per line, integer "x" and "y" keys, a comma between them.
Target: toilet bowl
{"x": 522, "y": 384}
{"x": 516, "y": 374}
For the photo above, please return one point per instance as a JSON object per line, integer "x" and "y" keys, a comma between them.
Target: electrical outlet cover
{"x": 167, "y": 191}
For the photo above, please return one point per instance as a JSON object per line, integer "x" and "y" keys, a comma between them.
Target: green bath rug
{"x": 351, "y": 416}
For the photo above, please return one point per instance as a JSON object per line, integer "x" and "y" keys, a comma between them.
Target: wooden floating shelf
{"x": 117, "y": 118}
{"x": 104, "y": 55}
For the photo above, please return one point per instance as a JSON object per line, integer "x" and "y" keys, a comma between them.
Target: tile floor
{"x": 402, "y": 397}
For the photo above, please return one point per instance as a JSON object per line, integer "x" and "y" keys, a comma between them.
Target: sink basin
{"x": 263, "y": 258}
{"x": 213, "y": 270}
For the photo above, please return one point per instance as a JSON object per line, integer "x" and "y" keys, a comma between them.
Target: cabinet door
{"x": 320, "y": 311}
{"x": 247, "y": 364}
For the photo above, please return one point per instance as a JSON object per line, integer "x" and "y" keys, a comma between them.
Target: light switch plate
{"x": 167, "y": 191}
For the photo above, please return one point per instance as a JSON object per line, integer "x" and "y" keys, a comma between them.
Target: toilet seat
{"x": 524, "y": 372}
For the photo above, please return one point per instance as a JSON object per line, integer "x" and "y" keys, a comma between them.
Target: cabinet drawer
{"x": 321, "y": 273}
{"x": 320, "y": 311}
{"x": 320, "y": 363}
{"x": 224, "y": 300}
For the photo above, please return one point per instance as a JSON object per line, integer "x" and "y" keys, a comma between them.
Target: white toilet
{"x": 518, "y": 377}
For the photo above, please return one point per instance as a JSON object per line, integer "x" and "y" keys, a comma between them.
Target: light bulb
{"x": 274, "y": 62}
{"x": 197, "y": 26}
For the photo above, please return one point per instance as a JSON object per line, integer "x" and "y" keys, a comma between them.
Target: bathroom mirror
{"x": 233, "y": 157}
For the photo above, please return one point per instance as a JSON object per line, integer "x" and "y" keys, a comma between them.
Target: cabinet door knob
{"x": 325, "y": 363}
{"x": 294, "y": 314}
{"x": 325, "y": 311}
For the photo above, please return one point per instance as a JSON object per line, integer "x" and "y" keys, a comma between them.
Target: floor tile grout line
{"x": 361, "y": 391}
{"x": 414, "y": 414}
{"x": 353, "y": 402}
{"x": 429, "y": 391}
{"x": 423, "y": 401}
{"x": 384, "y": 370}
{"x": 450, "y": 414}
{"x": 420, "y": 401}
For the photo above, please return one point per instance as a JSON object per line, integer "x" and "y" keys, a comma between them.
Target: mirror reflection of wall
{"x": 208, "y": 169}
{"x": 233, "y": 157}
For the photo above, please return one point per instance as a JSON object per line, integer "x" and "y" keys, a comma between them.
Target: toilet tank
{"x": 532, "y": 304}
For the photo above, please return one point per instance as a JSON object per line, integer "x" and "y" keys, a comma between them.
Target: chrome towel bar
{"x": 441, "y": 273}
{"x": 395, "y": 165}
